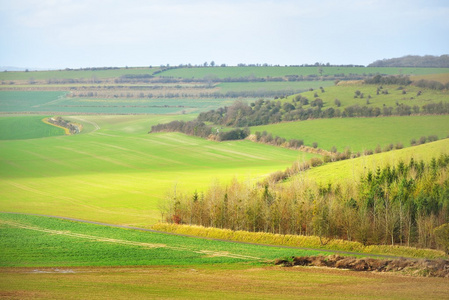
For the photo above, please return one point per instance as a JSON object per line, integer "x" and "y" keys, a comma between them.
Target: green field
{"x": 394, "y": 97}
{"x": 351, "y": 170}
{"x": 45, "y": 258}
{"x": 55, "y": 102}
{"x": 360, "y": 134}
{"x": 272, "y": 86}
{"x": 236, "y": 72}
{"x": 26, "y": 127}
{"x": 19, "y": 101}
{"x": 119, "y": 173}
{"x": 42, "y": 241}
{"x": 74, "y": 74}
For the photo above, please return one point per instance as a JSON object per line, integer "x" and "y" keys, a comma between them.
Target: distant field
{"x": 74, "y": 74}
{"x": 119, "y": 173}
{"x": 443, "y": 78}
{"x": 351, "y": 170}
{"x": 345, "y": 94}
{"x": 19, "y": 101}
{"x": 26, "y": 127}
{"x": 56, "y": 102}
{"x": 360, "y": 133}
{"x": 220, "y": 72}
{"x": 272, "y": 86}
{"x": 235, "y": 72}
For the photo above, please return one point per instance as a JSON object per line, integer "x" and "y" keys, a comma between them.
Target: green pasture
{"x": 26, "y": 127}
{"x": 345, "y": 94}
{"x": 119, "y": 173}
{"x": 56, "y": 102}
{"x": 75, "y": 74}
{"x": 55, "y": 242}
{"x": 236, "y": 72}
{"x": 20, "y": 101}
{"x": 293, "y": 86}
{"x": 352, "y": 169}
{"x": 360, "y": 134}
{"x": 49, "y": 258}
{"x": 219, "y": 72}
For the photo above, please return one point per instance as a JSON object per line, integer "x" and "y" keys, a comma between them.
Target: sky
{"x": 58, "y": 34}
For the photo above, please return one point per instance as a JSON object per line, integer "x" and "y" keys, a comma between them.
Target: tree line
{"x": 399, "y": 204}
{"x": 200, "y": 129}
{"x": 427, "y": 61}
{"x": 263, "y": 112}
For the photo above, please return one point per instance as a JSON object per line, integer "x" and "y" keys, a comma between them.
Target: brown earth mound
{"x": 422, "y": 267}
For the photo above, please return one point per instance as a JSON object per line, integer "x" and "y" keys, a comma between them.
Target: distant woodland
{"x": 427, "y": 61}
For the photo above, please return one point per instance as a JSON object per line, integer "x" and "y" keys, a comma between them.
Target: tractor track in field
{"x": 207, "y": 253}
{"x": 211, "y": 253}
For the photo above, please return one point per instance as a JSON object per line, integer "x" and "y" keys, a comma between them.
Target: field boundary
{"x": 208, "y": 238}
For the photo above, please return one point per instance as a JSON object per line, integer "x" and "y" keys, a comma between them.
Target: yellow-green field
{"x": 351, "y": 170}
{"x": 116, "y": 172}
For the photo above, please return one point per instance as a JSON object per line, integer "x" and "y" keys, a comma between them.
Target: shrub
{"x": 316, "y": 161}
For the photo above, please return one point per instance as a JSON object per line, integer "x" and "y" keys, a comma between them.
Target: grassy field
{"x": 272, "y": 86}
{"x": 42, "y": 241}
{"x": 360, "y": 133}
{"x": 75, "y": 74}
{"x": 119, "y": 173}
{"x": 44, "y": 258}
{"x": 235, "y": 72}
{"x": 26, "y": 127}
{"x": 443, "y": 78}
{"x": 220, "y": 72}
{"x": 19, "y": 101}
{"x": 56, "y": 102}
{"x": 345, "y": 94}
{"x": 351, "y": 170}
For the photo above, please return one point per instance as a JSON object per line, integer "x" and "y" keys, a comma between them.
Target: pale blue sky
{"x": 97, "y": 33}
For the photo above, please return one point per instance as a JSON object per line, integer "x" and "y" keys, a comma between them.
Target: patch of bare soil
{"x": 416, "y": 267}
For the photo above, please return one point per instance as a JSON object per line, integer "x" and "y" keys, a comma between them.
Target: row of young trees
{"x": 400, "y": 204}
{"x": 263, "y": 112}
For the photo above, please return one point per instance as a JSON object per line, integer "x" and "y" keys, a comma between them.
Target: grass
{"x": 360, "y": 134}
{"x": 73, "y": 267}
{"x": 443, "y": 78}
{"x": 20, "y": 101}
{"x": 235, "y": 72}
{"x": 26, "y": 127}
{"x": 119, "y": 173}
{"x": 74, "y": 74}
{"x": 345, "y": 93}
{"x": 351, "y": 170}
{"x": 297, "y": 241}
{"x": 56, "y": 102}
{"x": 293, "y": 86}
{"x": 42, "y": 241}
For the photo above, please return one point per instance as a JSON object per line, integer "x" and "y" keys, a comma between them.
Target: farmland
{"x": 232, "y": 72}
{"x": 26, "y": 127}
{"x": 115, "y": 172}
{"x": 119, "y": 173}
{"x": 359, "y": 134}
{"x": 169, "y": 266}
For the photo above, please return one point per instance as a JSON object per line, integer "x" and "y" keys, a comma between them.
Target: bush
{"x": 316, "y": 161}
